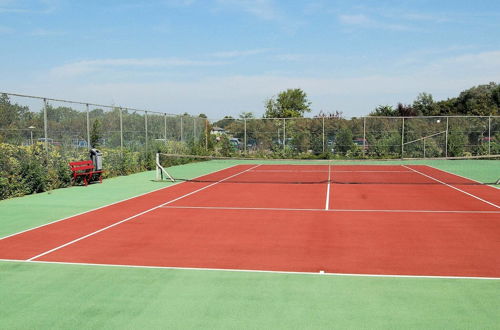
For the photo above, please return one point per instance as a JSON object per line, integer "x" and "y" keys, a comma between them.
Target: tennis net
{"x": 477, "y": 170}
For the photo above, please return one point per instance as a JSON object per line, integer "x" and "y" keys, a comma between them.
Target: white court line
{"x": 324, "y": 210}
{"x": 461, "y": 176}
{"x": 255, "y": 270}
{"x": 123, "y": 200}
{"x": 333, "y": 171}
{"x": 327, "y": 203}
{"x": 458, "y": 189}
{"x": 136, "y": 215}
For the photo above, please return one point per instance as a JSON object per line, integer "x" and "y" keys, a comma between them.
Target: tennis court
{"x": 388, "y": 220}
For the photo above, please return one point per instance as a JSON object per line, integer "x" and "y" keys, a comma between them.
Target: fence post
{"x": 284, "y": 134}
{"x": 88, "y": 126}
{"x": 489, "y": 135}
{"x": 121, "y": 130}
{"x": 206, "y": 134}
{"x": 323, "y": 132}
{"x": 245, "y": 134}
{"x": 446, "y": 138}
{"x": 45, "y": 124}
{"x": 146, "y": 128}
{"x": 182, "y": 129}
{"x": 194, "y": 130}
{"x": 364, "y": 135}
{"x": 165, "y": 127}
{"x": 403, "y": 138}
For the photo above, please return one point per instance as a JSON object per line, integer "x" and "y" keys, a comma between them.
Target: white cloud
{"x": 89, "y": 66}
{"x": 363, "y": 21}
{"x": 19, "y": 7}
{"x": 39, "y": 32}
{"x": 240, "y": 53}
{"x": 5, "y": 30}
{"x": 231, "y": 94}
{"x": 264, "y": 9}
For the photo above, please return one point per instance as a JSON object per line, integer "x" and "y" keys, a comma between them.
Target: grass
{"x": 75, "y": 296}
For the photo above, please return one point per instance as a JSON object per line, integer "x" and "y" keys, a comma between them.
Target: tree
{"x": 384, "y": 110}
{"x": 95, "y": 133}
{"x": 424, "y": 105}
{"x": 247, "y": 115}
{"x": 343, "y": 142}
{"x": 288, "y": 104}
{"x": 202, "y": 115}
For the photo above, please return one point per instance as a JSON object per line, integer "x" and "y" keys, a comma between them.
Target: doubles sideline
{"x": 137, "y": 215}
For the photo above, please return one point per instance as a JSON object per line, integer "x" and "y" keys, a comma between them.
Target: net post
{"x": 245, "y": 134}
{"x": 88, "y": 126}
{"x": 403, "y": 138}
{"x": 45, "y": 124}
{"x": 158, "y": 172}
{"x": 446, "y": 137}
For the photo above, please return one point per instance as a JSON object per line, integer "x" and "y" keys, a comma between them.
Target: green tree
{"x": 456, "y": 143}
{"x": 384, "y": 110}
{"x": 95, "y": 133}
{"x": 343, "y": 142}
{"x": 288, "y": 104}
{"x": 247, "y": 115}
{"x": 424, "y": 105}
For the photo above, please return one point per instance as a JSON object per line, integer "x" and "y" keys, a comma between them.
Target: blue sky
{"x": 222, "y": 57}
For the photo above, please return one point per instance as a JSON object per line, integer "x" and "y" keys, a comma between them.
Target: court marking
{"x": 463, "y": 177}
{"x": 324, "y": 171}
{"x": 325, "y": 210}
{"x": 136, "y": 215}
{"x": 327, "y": 203}
{"x": 254, "y": 270}
{"x": 100, "y": 207}
{"x": 458, "y": 189}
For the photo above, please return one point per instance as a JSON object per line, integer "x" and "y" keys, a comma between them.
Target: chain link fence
{"x": 77, "y": 126}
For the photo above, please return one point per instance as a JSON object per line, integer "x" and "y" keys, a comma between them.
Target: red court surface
{"x": 360, "y": 219}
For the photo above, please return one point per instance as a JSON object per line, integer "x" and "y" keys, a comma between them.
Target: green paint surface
{"x": 55, "y": 296}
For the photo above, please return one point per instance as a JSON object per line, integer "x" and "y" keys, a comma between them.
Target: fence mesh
{"x": 78, "y": 126}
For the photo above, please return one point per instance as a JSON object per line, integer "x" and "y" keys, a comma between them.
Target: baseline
{"x": 253, "y": 271}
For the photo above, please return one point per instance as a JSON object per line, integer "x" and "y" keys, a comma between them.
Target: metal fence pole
{"x": 182, "y": 130}
{"x": 146, "y": 128}
{"x": 489, "y": 135}
{"x": 323, "y": 132}
{"x": 45, "y": 124}
{"x": 245, "y": 134}
{"x": 121, "y": 130}
{"x": 165, "y": 127}
{"x": 403, "y": 138}
{"x": 364, "y": 135}
{"x": 284, "y": 134}
{"x": 206, "y": 134}
{"x": 194, "y": 129}
{"x": 446, "y": 137}
{"x": 88, "y": 127}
